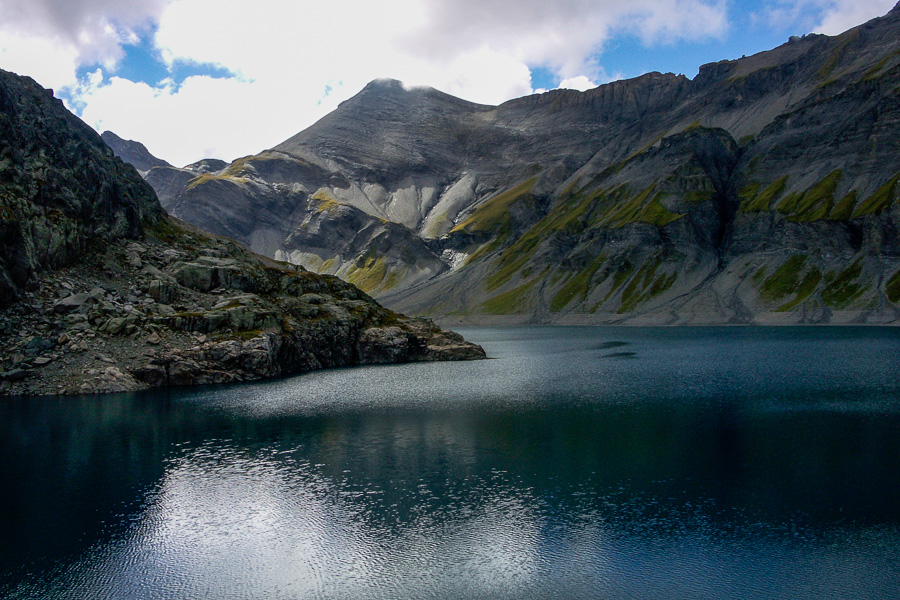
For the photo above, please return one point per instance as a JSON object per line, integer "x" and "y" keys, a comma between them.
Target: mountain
{"x": 764, "y": 190}
{"x": 134, "y": 153}
{"x": 101, "y": 291}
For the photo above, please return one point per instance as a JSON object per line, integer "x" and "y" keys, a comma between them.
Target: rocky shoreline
{"x": 181, "y": 307}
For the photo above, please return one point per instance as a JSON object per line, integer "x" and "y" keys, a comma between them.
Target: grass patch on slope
{"x": 370, "y": 274}
{"x": 578, "y": 286}
{"x": 785, "y": 281}
{"x": 508, "y": 302}
{"x": 880, "y": 201}
{"x": 844, "y": 289}
{"x": 206, "y": 178}
{"x": 493, "y": 215}
{"x": 645, "y": 285}
{"x": 892, "y": 289}
{"x": 751, "y": 201}
{"x": 813, "y": 204}
{"x": 807, "y": 286}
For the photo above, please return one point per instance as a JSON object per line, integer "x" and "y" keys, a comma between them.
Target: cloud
{"x": 202, "y": 117}
{"x": 580, "y": 83}
{"x": 293, "y": 61}
{"x": 563, "y": 35}
{"x": 50, "y": 39}
{"x": 830, "y": 17}
{"x": 840, "y": 15}
{"x": 52, "y": 64}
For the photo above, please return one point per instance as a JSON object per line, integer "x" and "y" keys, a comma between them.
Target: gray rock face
{"x": 765, "y": 190}
{"x": 134, "y": 153}
{"x": 60, "y": 187}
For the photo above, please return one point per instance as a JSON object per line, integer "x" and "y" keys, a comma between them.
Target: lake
{"x": 575, "y": 463}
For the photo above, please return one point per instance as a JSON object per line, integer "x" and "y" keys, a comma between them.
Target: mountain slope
{"x": 100, "y": 291}
{"x": 763, "y": 190}
{"x": 134, "y": 153}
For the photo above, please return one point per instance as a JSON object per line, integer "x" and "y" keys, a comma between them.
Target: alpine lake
{"x": 744, "y": 462}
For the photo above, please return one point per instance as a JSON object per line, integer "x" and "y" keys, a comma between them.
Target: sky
{"x": 196, "y": 79}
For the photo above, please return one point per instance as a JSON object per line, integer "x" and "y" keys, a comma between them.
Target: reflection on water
{"x": 710, "y": 463}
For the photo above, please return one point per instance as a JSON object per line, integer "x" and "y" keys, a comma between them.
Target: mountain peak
{"x": 134, "y": 153}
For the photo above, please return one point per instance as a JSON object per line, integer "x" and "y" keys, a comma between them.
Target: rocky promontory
{"x": 100, "y": 291}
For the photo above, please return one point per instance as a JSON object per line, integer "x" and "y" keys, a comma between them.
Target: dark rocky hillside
{"x": 765, "y": 190}
{"x": 101, "y": 291}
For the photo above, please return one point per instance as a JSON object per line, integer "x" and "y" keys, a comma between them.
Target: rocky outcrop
{"x": 134, "y": 153}
{"x": 100, "y": 291}
{"x": 181, "y": 307}
{"x": 61, "y": 188}
{"x": 765, "y": 190}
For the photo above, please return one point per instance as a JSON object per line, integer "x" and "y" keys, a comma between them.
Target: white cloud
{"x": 840, "y": 15}
{"x": 296, "y": 60}
{"x": 563, "y": 35}
{"x": 580, "y": 83}
{"x": 204, "y": 117}
{"x": 51, "y": 63}
{"x": 823, "y": 16}
{"x": 50, "y": 39}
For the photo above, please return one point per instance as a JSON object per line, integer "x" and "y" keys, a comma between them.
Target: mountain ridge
{"x": 697, "y": 193}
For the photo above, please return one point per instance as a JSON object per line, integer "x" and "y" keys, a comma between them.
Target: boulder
{"x": 72, "y": 303}
{"x": 380, "y": 345}
{"x": 163, "y": 290}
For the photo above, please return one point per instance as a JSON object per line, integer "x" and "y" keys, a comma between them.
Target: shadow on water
{"x": 620, "y": 355}
{"x": 609, "y": 345}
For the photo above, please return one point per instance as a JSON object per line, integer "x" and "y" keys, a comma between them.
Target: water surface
{"x": 577, "y": 462}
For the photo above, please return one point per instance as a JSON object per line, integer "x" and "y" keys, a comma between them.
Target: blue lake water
{"x": 575, "y": 463}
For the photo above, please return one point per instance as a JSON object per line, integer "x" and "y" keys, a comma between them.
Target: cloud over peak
{"x": 275, "y": 66}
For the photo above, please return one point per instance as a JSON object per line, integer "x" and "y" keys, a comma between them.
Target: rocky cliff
{"x": 134, "y": 153}
{"x": 762, "y": 191}
{"x": 101, "y": 291}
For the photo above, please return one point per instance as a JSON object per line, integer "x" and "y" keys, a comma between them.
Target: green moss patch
{"x": 640, "y": 208}
{"x": 759, "y": 275}
{"x": 327, "y": 203}
{"x": 511, "y": 261}
{"x": 785, "y": 281}
{"x": 622, "y": 274}
{"x": 809, "y": 285}
{"x": 892, "y": 289}
{"x": 813, "y": 204}
{"x": 483, "y": 251}
{"x": 698, "y": 196}
{"x": 843, "y": 210}
{"x": 206, "y": 178}
{"x": 493, "y": 215}
{"x": 508, "y": 302}
{"x": 762, "y": 201}
{"x": 844, "y": 288}
{"x": 370, "y": 274}
{"x": 645, "y": 285}
{"x": 748, "y": 192}
{"x": 880, "y": 201}
{"x": 831, "y": 62}
{"x": 578, "y": 286}
{"x": 875, "y": 72}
